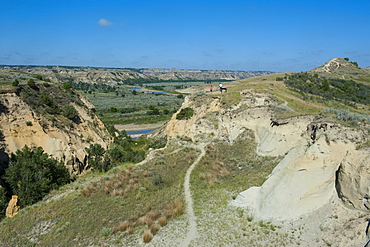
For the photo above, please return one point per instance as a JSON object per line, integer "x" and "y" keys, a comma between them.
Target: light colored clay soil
{"x": 134, "y": 127}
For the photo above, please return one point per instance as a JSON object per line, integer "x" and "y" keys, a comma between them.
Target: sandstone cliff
{"x": 63, "y": 139}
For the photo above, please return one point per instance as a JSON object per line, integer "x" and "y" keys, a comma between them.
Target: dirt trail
{"x": 192, "y": 232}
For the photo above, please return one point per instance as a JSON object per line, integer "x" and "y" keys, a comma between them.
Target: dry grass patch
{"x": 154, "y": 229}
{"x": 147, "y": 236}
{"x": 162, "y": 221}
{"x": 153, "y": 214}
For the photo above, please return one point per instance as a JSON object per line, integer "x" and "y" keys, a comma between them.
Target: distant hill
{"x": 113, "y": 76}
{"x": 342, "y": 69}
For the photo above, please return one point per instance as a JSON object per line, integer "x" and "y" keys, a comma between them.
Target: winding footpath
{"x": 192, "y": 232}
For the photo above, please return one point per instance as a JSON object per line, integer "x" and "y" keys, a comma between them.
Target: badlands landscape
{"x": 276, "y": 160}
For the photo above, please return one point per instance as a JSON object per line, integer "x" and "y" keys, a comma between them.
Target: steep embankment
{"x": 41, "y": 125}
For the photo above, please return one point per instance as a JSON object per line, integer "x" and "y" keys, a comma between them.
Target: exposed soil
{"x": 135, "y": 127}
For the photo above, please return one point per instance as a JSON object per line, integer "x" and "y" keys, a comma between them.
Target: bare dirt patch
{"x": 135, "y": 127}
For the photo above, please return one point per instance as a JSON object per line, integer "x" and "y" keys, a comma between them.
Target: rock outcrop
{"x": 353, "y": 179}
{"x": 320, "y": 157}
{"x": 13, "y": 207}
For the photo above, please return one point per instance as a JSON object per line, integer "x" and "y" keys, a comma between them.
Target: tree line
{"x": 346, "y": 91}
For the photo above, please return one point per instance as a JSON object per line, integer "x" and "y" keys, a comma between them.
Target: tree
{"x": 355, "y": 64}
{"x": 15, "y": 83}
{"x": 95, "y": 157}
{"x": 67, "y": 87}
{"x": 31, "y": 83}
{"x": 70, "y": 112}
{"x": 38, "y": 77}
{"x": 45, "y": 99}
{"x": 3, "y": 201}
{"x": 113, "y": 109}
{"x": 32, "y": 174}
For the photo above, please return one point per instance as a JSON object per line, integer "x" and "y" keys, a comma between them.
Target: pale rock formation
{"x": 13, "y": 207}
{"x": 320, "y": 158}
{"x": 353, "y": 179}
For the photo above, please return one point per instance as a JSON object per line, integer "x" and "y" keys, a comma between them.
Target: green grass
{"x": 99, "y": 207}
{"x": 133, "y": 108}
{"x": 365, "y": 144}
{"x": 233, "y": 168}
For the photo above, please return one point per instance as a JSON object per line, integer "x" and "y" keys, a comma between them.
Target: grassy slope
{"x": 93, "y": 208}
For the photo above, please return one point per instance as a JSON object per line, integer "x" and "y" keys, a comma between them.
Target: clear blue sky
{"x": 279, "y": 35}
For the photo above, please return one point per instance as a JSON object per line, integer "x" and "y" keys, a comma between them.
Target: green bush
{"x": 45, "y": 99}
{"x": 95, "y": 157}
{"x": 70, "y": 112}
{"x": 347, "y": 91}
{"x": 39, "y": 77}
{"x": 31, "y": 83}
{"x": 3, "y": 201}
{"x": 185, "y": 113}
{"x": 32, "y": 174}
{"x": 15, "y": 83}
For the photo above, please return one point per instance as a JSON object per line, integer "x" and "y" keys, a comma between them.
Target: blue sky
{"x": 284, "y": 35}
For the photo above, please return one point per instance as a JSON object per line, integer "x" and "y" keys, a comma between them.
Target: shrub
{"x": 95, "y": 157}
{"x": 70, "y": 112}
{"x": 3, "y": 201}
{"x": 105, "y": 232}
{"x": 345, "y": 115}
{"x": 15, "y": 83}
{"x": 45, "y": 99}
{"x": 123, "y": 226}
{"x": 154, "y": 229}
{"x": 39, "y": 77}
{"x": 147, "y": 236}
{"x": 33, "y": 174}
{"x": 31, "y": 83}
{"x": 185, "y": 113}
{"x": 162, "y": 221}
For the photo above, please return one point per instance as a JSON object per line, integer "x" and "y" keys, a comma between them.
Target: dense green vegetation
{"x": 185, "y": 113}
{"x": 348, "y": 92}
{"x": 32, "y": 174}
{"x": 122, "y": 150}
{"x": 51, "y": 101}
{"x": 121, "y": 104}
{"x": 3, "y": 201}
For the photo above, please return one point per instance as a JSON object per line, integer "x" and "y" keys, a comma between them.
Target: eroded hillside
{"x": 60, "y": 121}
{"x": 112, "y": 76}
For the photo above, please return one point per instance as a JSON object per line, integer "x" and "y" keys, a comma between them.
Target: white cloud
{"x": 104, "y": 22}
